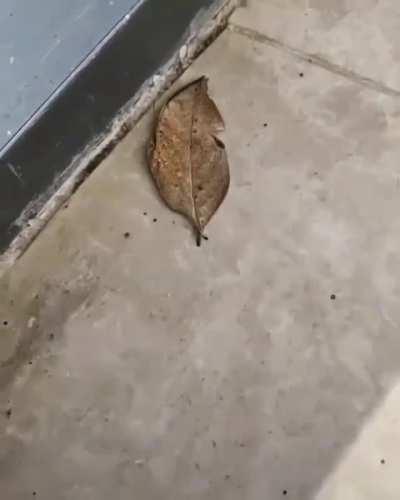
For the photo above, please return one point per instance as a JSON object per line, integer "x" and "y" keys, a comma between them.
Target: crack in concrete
{"x": 314, "y": 59}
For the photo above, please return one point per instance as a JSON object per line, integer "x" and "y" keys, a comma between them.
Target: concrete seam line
{"x": 314, "y": 59}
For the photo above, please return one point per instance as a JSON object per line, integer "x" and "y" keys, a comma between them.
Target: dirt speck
{"x": 214, "y": 444}
{"x": 127, "y": 235}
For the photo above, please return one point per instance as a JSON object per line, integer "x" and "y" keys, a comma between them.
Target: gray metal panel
{"x": 41, "y": 42}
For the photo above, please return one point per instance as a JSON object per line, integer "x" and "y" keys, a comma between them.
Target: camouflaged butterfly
{"x": 187, "y": 160}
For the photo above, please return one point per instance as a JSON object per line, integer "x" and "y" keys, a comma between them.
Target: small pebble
{"x": 31, "y": 322}
{"x": 182, "y": 52}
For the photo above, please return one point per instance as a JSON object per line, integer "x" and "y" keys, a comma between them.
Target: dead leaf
{"x": 187, "y": 160}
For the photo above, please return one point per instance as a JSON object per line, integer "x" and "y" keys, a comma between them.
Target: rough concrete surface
{"x": 263, "y": 365}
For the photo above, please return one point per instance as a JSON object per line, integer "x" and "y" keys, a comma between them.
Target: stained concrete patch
{"x": 264, "y": 364}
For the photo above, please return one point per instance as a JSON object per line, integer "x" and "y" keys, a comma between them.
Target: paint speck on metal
{"x": 15, "y": 172}
{"x": 50, "y": 50}
{"x": 84, "y": 12}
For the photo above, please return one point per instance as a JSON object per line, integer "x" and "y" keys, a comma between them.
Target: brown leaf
{"x": 188, "y": 162}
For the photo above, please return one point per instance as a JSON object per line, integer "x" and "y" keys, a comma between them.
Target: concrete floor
{"x": 266, "y": 363}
